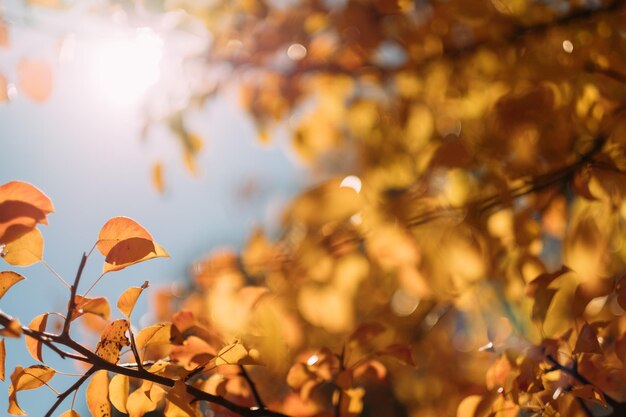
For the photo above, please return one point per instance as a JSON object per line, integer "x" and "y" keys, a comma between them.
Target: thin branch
{"x": 133, "y": 347}
{"x": 55, "y": 273}
{"x": 94, "y": 284}
{"x": 71, "y": 389}
{"x": 252, "y": 386}
{"x": 72, "y": 303}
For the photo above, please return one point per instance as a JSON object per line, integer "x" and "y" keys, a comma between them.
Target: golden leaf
{"x": 26, "y": 250}
{"x": 128, "y": 299}
{"x": 23, "y": 379}
{"x": 155, "y": 334}
{"x": 112, "y": 340}
{"x": 33, "y": 345}
{"x": 98, "y": 395}
{"x": 118, "y": 392}
{"x": 7, "y": 280}
{"x": 3, "y": 355}
{"x": 70, "y": 413}
{"x": 98, "y": 306}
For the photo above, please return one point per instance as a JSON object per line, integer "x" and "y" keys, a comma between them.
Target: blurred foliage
{"x": 466, "y": 253}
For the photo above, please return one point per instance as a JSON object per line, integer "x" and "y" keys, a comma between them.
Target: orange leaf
{"x": 23, "y": 379}
{"x": 98, "y": 395}
{"x": 98, "y": 306}
{"x": 14, "y": 329}
{"x": 20, "y": 213}
{"x": 591, "y": 393}
{"x": 25, "y": 250}
{"x": 33, "y": 345}
{"x": 131, "y": 251}
{"x": 4, "y": 41}
{"x": 4, "y": 87}
{"x": 7, "y": 280}
{"x": 118, "y": 392}
{"x": 587, "y": 341}
{"x": 112, "y": 340}
{"x": 157, "y": 177}
{"x": 620, "y": 290}
{"x": 3, "y": 355}
{"x": 70, "y": 413}
{"x": 128, "y": 299}
{"x": 366, "y": 332}
{"x": 35, "y": 78}
{"x": 179, "y": 401}
{"x": 118, "y": 229}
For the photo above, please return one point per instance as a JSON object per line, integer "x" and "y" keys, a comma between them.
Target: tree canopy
{"x": 465, "y": 254}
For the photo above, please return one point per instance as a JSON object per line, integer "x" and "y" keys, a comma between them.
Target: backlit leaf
{"x": 234, "y": 353}
{"x": 35, "y": 78}
{"x": 7, "y": 280}
{"x": 26, "y": 250}
{"x": 400, "y": 352}
{"x": 118, "y": 392}
{"x": 23, "y": 379}
{"x": 591, "y": 393}
{"x": 70, "y": 413}
{"x": 131, "y": 251}
{"x": 12, "y": 329}
{"x": 157, "y": 177}
{"x": 587, "y": 341}
{"x": 128, "y": 299}
{"x": 98, "y": 306}
{"x": 4, "y": 86}
{"x": 155, "y": 334}
{"x": 179, "y": 401}
{"x": 33, "y": 345}
{"x": 112, "y": 340}
{"x": 98, "y": 395}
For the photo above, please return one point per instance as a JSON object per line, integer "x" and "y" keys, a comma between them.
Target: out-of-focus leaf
{"x": 98, "y": 395}
{"x": 366, "y": 332}
{"x": 152, "y": 335}
{"x": 157, "y": 177}
{"x": 70, "y": 413}
{"x": 35, "y": 78}
{"x": 118, "y": 392}
{"x": 23, "y": 379}
{"x": 7, "y": 280}
{"x": 4, "y": 86}
{"x": 13, "y": 329}
{"x": 235, "y": 353}
{"x": 620, "y": 291}
{"x": 400, "y": 352}
{"x": 587, "y": 341}
{"x": 33, "y": 345}
{"x": 590, "y": 393}
{"x": 179, "y": 401}
{"x": 128, "y": 299}
{"x": 144, "y": 399}
{"x": 26, "y": 250}
{"x": 112, "y": 340}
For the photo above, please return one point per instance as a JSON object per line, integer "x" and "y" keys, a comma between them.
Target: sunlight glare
{"x": 126, "y": 67}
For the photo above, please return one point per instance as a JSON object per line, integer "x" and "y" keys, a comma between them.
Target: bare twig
{"x": 72, "y": 303}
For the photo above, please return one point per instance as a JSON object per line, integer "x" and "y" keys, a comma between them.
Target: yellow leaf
{"x": 157, "y": 177}
{"x": 33, "y": 345}
{"x": 25, "y": 250}
{"x": 112, "y": 339}
{"x": 144, "y": 399}
{"x": 70, "y": 413}
{"x": 155, "y": 334}
{"x": 234, "y": 353}
{"x": 98, "y": 395}
{"x": 35, "y": 78}
{"x": 179, "y": 401}
{"x": 7, "y": 280}
{"x": 128, "y": 299}
{"x": 3, "y": 355}
{"x": 118, "y": 392}
{"x": 23, "y": 379}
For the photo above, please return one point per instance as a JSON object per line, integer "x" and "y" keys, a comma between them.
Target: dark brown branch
{"x": 70, "y": 390}
{"x": 133, "y": 348}
{"x": 252, "y": 385}
{"x": 72, "y": 303}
